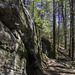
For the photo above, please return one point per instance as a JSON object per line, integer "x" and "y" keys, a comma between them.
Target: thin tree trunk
{"x": 58, "y": 24}
{"x": 72, "y": 23}
{"x": 65, "y": 29}
{"x": 54, "y": 22}
{"x": 70, "y": 45}
{"x": 64, "y": 24}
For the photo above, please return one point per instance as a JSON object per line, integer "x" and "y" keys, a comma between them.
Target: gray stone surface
{"x": 16, "y": 40}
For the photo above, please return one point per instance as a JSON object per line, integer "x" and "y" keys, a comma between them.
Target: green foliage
{"x": 43, "y": 17}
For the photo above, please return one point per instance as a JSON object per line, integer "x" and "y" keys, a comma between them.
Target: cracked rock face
{"x": 11, "y": 61}
{"x": 17, "y": 53}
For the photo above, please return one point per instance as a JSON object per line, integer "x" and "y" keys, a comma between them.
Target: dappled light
{"x": 37, "y": 37}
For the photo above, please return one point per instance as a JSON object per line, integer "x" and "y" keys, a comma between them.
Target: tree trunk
{"x": 58, "y": 23}
{"x": 70, "y": 45}
{"x": 54, "y": 22}
{"x": 65, "y": 29}
{"x": 72, "y": 23}
{"x": 64, "y": 24}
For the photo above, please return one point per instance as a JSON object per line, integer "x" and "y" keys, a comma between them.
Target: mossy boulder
{"x": 12, "y": 53}
{"x": 47, "y": 47}
{"x": 16, "y": 38}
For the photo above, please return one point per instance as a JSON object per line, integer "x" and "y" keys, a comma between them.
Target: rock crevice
{"x": 17, "y": 53}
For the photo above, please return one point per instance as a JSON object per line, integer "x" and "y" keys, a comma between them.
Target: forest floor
{"x": 60, "y": 66}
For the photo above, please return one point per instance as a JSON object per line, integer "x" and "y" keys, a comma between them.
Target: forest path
{"x": 59, "y": 66}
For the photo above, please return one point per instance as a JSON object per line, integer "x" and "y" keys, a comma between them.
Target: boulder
{"x": 47, "y": 47}
{"x": 17, "y": 49}
{"x": 12, "y": 53}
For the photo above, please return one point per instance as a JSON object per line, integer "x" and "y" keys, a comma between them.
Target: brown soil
{"x": 59, "y": 66}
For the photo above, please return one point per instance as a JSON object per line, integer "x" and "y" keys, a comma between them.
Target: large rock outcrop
{"x": 12, "y": 53}
{"x": 17, "y": 52}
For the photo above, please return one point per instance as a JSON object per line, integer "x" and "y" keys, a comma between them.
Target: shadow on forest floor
{"x": 60, "y": 66}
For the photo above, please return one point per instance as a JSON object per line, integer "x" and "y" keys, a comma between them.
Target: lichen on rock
{"x": 17, "y": 49}
{"x": 9, "y": 57}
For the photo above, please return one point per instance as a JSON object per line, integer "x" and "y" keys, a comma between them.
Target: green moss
{"x": 43, "y": 56}
{"x": 35, "y": 39}
{"x": 70, "y": 67}
{"x": 21, "y": 51}
{"x": 48, "y": 46}
{"x": 57, "y": 53}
